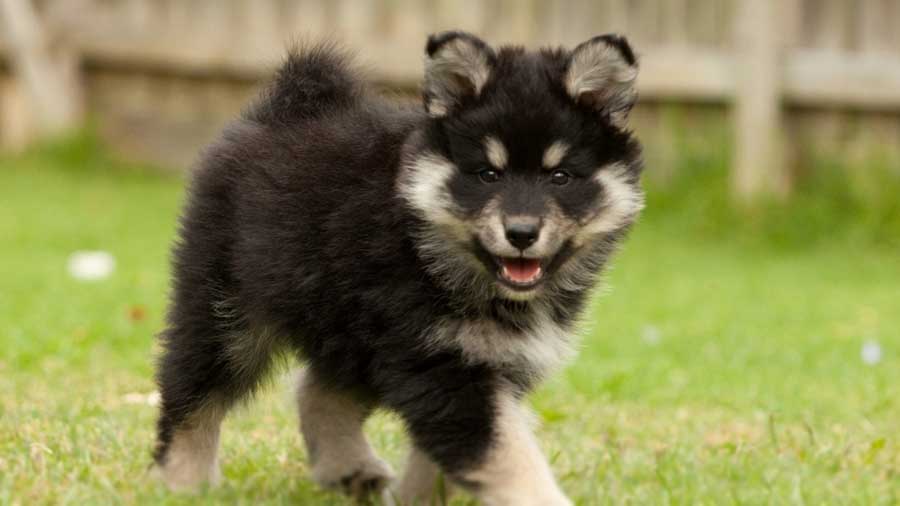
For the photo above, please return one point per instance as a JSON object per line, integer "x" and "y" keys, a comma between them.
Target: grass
{"x": 721, "y": 366}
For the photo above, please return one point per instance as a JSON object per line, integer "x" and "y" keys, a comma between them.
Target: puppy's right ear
{"x": 457, "y": 66}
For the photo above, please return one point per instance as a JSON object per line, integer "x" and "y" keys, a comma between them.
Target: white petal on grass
{"x": 91, "y": 265}
{"x": 651, "y": 334}
{"x": 871, "y": 352}
{"x": 151, "y": 399}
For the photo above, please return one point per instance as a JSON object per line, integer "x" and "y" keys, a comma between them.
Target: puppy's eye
{"x": 560, "y": 177}
{"x": 489, "y": 175}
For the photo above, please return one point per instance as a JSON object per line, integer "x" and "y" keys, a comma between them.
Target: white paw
{"x": 516, "y": 498}
{"x": 359, "y": 478}
{"x": 190, "y": 481}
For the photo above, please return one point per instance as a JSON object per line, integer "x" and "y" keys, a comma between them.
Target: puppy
{"x": 428, "y": 259}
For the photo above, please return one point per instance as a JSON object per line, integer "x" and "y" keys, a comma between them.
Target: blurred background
{"x": 783, "y": 83}
{"x": 747, "y": 345}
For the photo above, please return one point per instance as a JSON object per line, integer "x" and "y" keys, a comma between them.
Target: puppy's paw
{"x": 364, "y": 485}
{"x": 361, "y": 480}
{"x": 178, "y": 480}
{"x": 520, "y": 497}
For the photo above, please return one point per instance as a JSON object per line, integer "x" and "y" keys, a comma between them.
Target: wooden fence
{"x": 787, "y": 76}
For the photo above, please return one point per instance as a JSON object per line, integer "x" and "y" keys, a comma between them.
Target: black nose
{"x": 522, "y": 234}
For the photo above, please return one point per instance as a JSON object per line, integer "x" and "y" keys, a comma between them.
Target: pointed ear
{"x": 601, "y": 75}
{"x": 457, "y": 66}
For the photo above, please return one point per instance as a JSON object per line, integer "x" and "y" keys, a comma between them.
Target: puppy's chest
{"x": 536, "y": 348}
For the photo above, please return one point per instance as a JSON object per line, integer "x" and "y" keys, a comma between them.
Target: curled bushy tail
{"x": 313, "y": 80}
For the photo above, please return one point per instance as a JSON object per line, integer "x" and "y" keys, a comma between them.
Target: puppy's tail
{"x": 314, "y": 80}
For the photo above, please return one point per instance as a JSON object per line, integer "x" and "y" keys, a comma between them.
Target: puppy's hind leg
{"x": 332, "y": 426}
{"x": 201, "y": 374}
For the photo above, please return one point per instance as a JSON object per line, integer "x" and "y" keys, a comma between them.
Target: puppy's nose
{"x": 521, "y": 233}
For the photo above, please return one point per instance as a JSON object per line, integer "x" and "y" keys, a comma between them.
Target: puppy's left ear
{"x": 601, "y": 75}
{"x": 457, "y": 66}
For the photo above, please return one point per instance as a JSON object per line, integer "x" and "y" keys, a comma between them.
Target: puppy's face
{"x": 525, "y": 162}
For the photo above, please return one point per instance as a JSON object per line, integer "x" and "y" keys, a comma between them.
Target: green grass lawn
{"x": 715, "y": 369}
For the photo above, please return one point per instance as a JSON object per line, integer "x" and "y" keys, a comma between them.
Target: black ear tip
{"x": 432, "y": 44}
{"x": 621, "y": 43}
{"x": 437, "y": 40}
{"x": 615, "y": 40}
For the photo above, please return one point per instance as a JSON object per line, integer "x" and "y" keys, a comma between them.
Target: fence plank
{"x": 460, "y": 14}
{"x": 674, "y": 14}
{"x": 52, "y": 89}
{"x": 758, "y": 166}
{"x": 306, "y": 20}
{"x": 15, "y": 118}
{"x": 828, "y": 23}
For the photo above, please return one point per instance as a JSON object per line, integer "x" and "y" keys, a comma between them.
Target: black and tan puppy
{"x": 428, "y": 260}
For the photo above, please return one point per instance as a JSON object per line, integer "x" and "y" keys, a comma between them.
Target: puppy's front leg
{"x": 332, "y": 426}
{"x": 481, "y": 438}
{"x": 514, "y": 471}
{"x": 422, "y": 483}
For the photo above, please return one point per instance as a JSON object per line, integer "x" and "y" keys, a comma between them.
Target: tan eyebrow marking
{"x": 496, "y": 152}
{"x": 555, "y": 154}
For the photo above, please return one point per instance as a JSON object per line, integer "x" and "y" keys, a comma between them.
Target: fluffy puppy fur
{"x": 431, "y": 260}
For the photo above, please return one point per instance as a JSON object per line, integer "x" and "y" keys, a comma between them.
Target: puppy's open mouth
{"x": 520, "y": 273}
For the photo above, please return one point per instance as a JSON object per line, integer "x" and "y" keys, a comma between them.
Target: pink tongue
{"x": 521, "y": 270}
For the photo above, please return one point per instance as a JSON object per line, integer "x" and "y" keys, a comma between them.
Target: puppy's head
{"x": 525, "y": 165}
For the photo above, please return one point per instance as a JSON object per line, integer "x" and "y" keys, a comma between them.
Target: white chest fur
{"x": 541, "y": 347}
